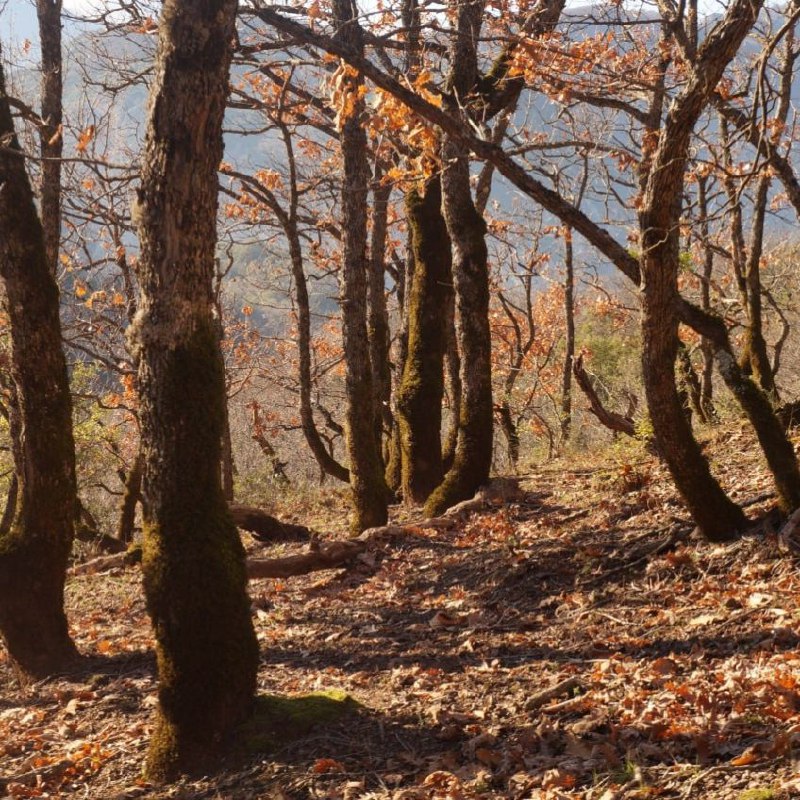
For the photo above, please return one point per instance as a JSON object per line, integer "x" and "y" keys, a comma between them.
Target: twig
{"x": 538, "y": 700}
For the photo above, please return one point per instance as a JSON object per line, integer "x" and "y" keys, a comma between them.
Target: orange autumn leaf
{"x": 84, "y": 139}
{"x": 323, "y": 765}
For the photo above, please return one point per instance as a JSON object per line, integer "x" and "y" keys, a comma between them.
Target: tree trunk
{"x": 193, "y": 560}
{"x": 34, "y": 552}
{"x": 419, "y": 395}
{"x": 706, "y": 346}
{"x": 327, "y": 463}
{"x": 775, "y": 444}
{"x": 51, "y": 142}
{"x": 715, "y": 514}
{"x": 228, "y": 465}
{"x": 569, "y": 354}
{"x": 509, "y": 428}
{"x": 659, "y": 225}
{"x": 370, "y": 493}
{"x": 132, "y": 496}
{"x": 452, "y": 380}
{"x": 690, "y": 383}
{"x": 467, "y": 231}
{"x": 755, "y": 347}
{"x": 378, "y": 315}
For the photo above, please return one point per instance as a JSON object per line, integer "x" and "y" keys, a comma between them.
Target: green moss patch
{"x": 278, "y": 719}
{"x": 758, "y": 794}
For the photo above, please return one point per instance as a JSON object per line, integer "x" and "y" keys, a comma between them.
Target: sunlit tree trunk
{"x": 659, "y": 223}
{"x": 467, "y": 231}
{"x": 370, "y": 493}
{"x": 51, "y": 139}
{"x": 193, "y": 559}
{"x": 569, "y": 353}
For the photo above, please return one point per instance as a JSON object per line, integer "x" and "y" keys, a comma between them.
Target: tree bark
{"x": 452, "y": 381}
{"x": 378, "y": 315}
{"x": 419, "y": 395}
{"x": 51, "y": 142}
{"x": 193, "y": 560}
{"x": 132, "y": 496}
{"x": 569, "y": 353}
{"x": 467, "y": 231}
{"x": 715, "y": 514}
{"x": 370, "y": 493}
{"x": 706, "y": 347}
{"x": 34, "y": 551}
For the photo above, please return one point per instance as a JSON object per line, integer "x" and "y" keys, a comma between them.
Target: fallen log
{"x": 265, "y": 527}
{"x": 326, "y": 556}
{"x": 330, "y": 555}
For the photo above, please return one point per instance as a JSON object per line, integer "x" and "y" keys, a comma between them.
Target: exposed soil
{"x": 676, "y": 661}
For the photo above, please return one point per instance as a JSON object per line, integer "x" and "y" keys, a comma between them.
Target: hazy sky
{"x": 18, "y": 18}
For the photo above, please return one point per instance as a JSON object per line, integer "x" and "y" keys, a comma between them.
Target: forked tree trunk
{"x": 467, "y": 231}
{"x": 419, "y": 395}
{"x": 34, "y": 551}
{"x": 193, "y": 560}
{"x": 370, "y": 493}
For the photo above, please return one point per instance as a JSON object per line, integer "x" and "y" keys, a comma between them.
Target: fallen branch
{"x": 541, "y": 699}
{"x": 265, "y": 527}
{"x": 320, "y": 557}
{"x": 107, "y": 563}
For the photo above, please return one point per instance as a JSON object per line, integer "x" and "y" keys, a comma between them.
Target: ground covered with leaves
{"x": 581, "y": 643}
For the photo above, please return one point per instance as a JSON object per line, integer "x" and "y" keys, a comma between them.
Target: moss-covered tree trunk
{"x": 193, "y": 559}
{"x": 367, "y": 480}
{"x": 35, "y": 548}
{"x": 419, "y": 395}
{"x": 467, "y": 231}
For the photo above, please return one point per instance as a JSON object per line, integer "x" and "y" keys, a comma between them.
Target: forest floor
{"x": 676, "y": 662}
